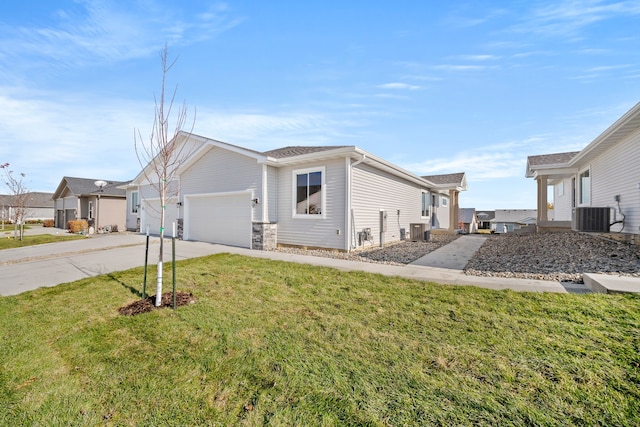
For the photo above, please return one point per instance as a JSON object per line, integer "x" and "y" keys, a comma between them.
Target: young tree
{"x": 162, "y": 154}
{"x": 18, "y": 189}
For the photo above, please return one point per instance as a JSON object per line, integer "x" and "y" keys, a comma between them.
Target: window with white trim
{"x": 585, "y": 187}
{"x": 426, "y": 205}
{"x": 309, "y": 192}
{"x": 444, "y": 201}
{"x": 90, "y": 209}
{"x": 134, "y": 202}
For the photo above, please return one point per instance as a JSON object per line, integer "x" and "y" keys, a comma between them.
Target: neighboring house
{"x": 81, "y": 198}
{"x": 467, "y": 220}
{"x": 444, "y": 199}
{"x": 603, "y": 178}
{"x": 484, "y": 219}
{"x": 338, "y": 197}
{"x": 39, "y": 206}
{"x": 509, "y": 220}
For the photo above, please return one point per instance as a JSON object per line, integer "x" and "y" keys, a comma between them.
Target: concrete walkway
{"x": 455, "y": 255}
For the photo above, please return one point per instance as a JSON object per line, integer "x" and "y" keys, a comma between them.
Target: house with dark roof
{"x": 336, "y": 197}
{"x": 484, "y": 219}
{"x": 98, "y": 201}
{"x": 467, "y": 220}
{"x": 597, "y": 188}
{"x": 37, "y": 206}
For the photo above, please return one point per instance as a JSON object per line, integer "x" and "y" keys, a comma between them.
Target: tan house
{"x": 98, "y": 201}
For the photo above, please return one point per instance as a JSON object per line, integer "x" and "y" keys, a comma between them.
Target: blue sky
{"x": 435, "y": 87}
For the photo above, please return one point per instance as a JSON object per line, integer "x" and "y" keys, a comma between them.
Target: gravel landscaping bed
{"x": 553, "y": 256}
{"x": 397, "y": 253}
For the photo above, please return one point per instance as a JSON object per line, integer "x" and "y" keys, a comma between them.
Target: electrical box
{"x": 383, "y": 221}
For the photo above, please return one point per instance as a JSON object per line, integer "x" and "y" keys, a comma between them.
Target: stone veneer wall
{"x": 179, "y": 228}
{"x": 264, "y": 236}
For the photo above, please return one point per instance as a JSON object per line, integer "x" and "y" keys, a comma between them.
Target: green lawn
{"x": 286, "y": 344}
{"x": 8, "y": 242}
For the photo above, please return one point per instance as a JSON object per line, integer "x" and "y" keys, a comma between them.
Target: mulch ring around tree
{"x": 149, "y": 304}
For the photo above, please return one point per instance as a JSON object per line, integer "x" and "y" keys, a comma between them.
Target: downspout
{"x": 349, "y": 217}
{"x": 265, "y": 196}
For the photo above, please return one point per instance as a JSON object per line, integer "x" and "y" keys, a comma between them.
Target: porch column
{"x": 542, "y": 199}
{"x": 453, "y": 209}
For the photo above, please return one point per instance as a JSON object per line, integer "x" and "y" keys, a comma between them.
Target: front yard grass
{"x": 286, "y": 344}
{"x": 8, "y": 242}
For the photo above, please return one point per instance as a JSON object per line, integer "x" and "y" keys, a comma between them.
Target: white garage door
{"x": 219, "y": 218}
{"x": 150, "y": 216}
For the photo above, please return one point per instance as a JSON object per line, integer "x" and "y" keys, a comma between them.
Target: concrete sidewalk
{"x": 455, "y": 255}
{"x": 32, "y": 267}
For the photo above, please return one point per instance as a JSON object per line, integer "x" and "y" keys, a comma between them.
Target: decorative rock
{"x": 395, "y": 253}
{"x": 553, "y": 256}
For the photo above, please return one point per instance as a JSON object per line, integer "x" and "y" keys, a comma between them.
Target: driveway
{"x": 31, "y": 267}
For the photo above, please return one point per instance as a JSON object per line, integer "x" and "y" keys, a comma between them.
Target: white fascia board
{"x": 553, "y": 172}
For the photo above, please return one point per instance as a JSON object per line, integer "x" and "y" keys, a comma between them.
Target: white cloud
{"x": 264, "y": 131}
{"x": 568, "y": 18}
{"x": 58, "y": 135}
{"x": 400, "y": 86}
{"x": 99, "y": 31}
{"x": 453, "y": 67}
{"x": 479, "y": 57}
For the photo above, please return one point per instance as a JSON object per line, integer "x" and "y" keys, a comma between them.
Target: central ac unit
{"x": 591, "y": 219}
{"x": 417, "y": 232}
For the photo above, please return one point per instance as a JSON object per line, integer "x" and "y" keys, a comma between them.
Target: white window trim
{"x": 135, "y": 206}
{"x": 579, "y": 195}
{"x": 294, "y": 192}
{"x": 444, "y": 201}
{"x": 426, "y": 194}
{"x": 90, "y": 209}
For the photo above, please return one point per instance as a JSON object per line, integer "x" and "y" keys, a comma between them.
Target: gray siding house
{"x": 337, "y": 197}
{"x": 38, "y": 206}
{"x": 604, "y": 176}
{"x": 510, "y": 220}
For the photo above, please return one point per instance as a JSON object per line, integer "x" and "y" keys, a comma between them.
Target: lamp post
{"x": 100, "y": 184}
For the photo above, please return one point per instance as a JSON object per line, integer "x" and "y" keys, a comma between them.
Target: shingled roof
{"x": 466, "y": 215}
{"x": 445, "y": 179}
{"x": 80, "y": 186}
{"x": 35, "y": 199}
{"x": 551, "y": 159}
{"x": 292, "y": 151}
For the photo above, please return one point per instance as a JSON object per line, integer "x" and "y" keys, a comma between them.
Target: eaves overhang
{"x": 553, "y": 172}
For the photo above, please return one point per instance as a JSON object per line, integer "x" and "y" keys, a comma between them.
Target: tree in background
{"x": 161, "y": 155}
{"x": 20, "y": 194}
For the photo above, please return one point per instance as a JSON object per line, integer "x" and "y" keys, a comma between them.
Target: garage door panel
{"x": 224, "y": 219}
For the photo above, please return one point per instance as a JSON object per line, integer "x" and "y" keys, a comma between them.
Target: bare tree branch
{"x": 162, "y": 154}
{"x": 19, "y": 191}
